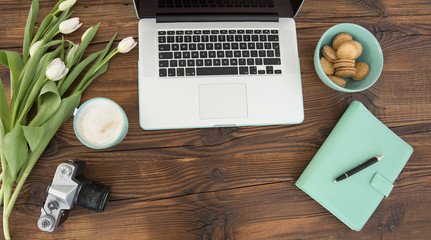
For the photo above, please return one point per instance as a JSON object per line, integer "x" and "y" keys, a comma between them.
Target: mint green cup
{"x": 372, "y": 54}
{"x": 100, "y": 123}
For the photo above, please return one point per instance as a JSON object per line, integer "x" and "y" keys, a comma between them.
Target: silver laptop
{"x": 217, "y": 63}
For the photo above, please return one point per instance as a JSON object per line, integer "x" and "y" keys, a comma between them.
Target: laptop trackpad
{"x": 223, "y": 101}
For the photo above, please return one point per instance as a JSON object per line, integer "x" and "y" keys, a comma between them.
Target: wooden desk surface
{"x": 238, "y": 183}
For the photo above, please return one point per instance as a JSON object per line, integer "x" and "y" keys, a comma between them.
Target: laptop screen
{"x": 154, "y": 8}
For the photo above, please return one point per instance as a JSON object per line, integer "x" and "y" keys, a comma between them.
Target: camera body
{"x": 68, "y": 188}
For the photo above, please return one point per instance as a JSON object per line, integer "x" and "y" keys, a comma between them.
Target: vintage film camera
{"x": 67, "y": 189}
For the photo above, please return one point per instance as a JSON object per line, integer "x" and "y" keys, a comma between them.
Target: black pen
{"x": 362, "y": 166}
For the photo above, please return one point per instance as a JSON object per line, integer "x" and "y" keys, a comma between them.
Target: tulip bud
{"x": 126, "y": 45}
{"x": 69, "y": 25}
{"x": 71, "y": 52}
{"x": 34, "y": 47}
{"x": 56, "y": 70}
{"x": 66, "y": 4}
{"x": 85, "y": 33}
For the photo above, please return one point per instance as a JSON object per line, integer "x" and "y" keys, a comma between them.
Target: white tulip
{"x": 69, "y": 25}
{"x": 126, "y": 45}
{"x": 71, "y": 52}
{"x": 85, "y": 33}
{"x": 56, "y": 70}
{"x": 34, "y": 47}
{"x": 66, "y": 4}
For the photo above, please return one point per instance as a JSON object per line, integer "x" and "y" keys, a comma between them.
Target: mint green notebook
{"x": 357, "y": 137}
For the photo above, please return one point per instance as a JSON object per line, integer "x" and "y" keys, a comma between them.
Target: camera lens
{"x": 93, "y": 195}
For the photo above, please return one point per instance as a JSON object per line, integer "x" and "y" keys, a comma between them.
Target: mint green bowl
{"x": 371, "y": 54}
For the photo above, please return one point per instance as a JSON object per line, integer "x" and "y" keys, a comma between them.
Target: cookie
{"x": 340, "y": 39}
{"x": 329, "y": 53}
{"x": 344, "y": 63}
{"x": 345, "y": 72}
{"x": 347, "y": 50}
{"x": 337, "y": 80}
{"x": 362, "y": 70}
{"x": 327, "y": 66}
{"x": 359, "y": 48}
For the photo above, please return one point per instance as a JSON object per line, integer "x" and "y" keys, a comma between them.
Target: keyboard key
{"x": 245, "y": 53}
{"x": 209, "y": 46}
{"x": 190, "y": 72}
{"x": 253, "y": 53}
{"x": 164, "y": 63}
{"x": 248, "y": 31}
{"x": 177, "y": 55}
{"x": 196, "y": 38}
{"x": 165, "y": 55}
{"x": 212, "y": 54}
{"x": 226, "y": 46}
{"x": 247, "y": 38}
{"x": 262, "y": 38}
{"x": 223, "y": 31}
{"x": 241, "y": 61}
{"x": 255, "y": 38}
{"x": 257, "y": 31}
{"x": 188, "y": 39}
{"x": 213, "y": 38}
{"x": 180, "y": 71}
{"x": 214, "y": 32}
{"x": 179, "y": 32}
{"x": 171, "y": 33}
{"x": 278, "y": 71}
{"x": 273, "y": 38}
{"x": 267, "y": 45}
{"x": 162, "y": 32}
{"x": 173, "y": 63}
{"x": 233, "y": 61}
{"x": 250, "y": 61}
{"x": 251, "y": 45}
{"x": 217, "y": 46}
{"x": 195, "y": 54}
{"x": 228, "y": 54}
{"x": 189, "y": 32}
{"x": 179, "y": 39}
{"x": 230, "y": 38}
{"x": 234, "y": 46}
{"x": 170, "y": 39}
{"x": 220, "y": 54}
{"x": 262, "y": 53}
{"x": 272, "y": 61}
{"x": 190, "y": 63}
{"x": 216, "y": 62}
{"x": 186, "y": 54}
{"x": 274, "y": 31}
{"x": 171, "y": 72}
{"x": 243, "y": 70}
{"x": 232, "y": 31}
{"x": 258, "y": 61}
{"x": 265, "y": 31}
{"x": 225, "y": 62}
{"x": 203, "y": 54}
{"x": 253, "y": 70}
{"x": 163, "y": 72}
{"x": 199, "y": 62}
{"x": 197, "y": 31}
{"x": 261, "y": 72}
{"x": 182, "y": 63}
{"x": 201, "y": 46}
{"x": 217, "y": 71}
{"x": 192, "y": 46}
{"x": 208, "y": 62}
{"x": 183, "y": 47}
{"x": 270, "y": 53}
{"x": 237, "y": 53}
{"x": 162, "y": 39}
{"x": 175, "y": 47}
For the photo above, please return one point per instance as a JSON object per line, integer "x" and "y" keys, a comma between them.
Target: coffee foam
{"x": 99, "y": 123}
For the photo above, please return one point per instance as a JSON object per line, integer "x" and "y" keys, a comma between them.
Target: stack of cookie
{"x": 339, "y": 61}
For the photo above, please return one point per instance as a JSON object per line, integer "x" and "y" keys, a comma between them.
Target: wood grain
{"x": 238, "y": 183}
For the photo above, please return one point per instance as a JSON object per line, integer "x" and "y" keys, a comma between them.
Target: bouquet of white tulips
{"x": 43, "y": 75}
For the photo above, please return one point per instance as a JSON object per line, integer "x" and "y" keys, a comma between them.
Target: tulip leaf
{"x": 4, "y": 111}
{"x": 13, "y": 61}
{"x": 48, "y": 102}
{"x": 42, "y": 27}
{"x": 75, "y": 72}
{"x": 28, "y": 34}
{"x": 15, "y": 150}
{"x": 33, "y": 135}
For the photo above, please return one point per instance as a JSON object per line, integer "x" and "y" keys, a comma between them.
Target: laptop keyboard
{"x": 219, "y": 52}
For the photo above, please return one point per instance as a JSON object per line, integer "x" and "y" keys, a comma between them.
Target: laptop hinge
{"x": 217, "y": 18}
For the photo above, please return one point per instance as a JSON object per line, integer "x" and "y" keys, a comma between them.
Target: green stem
{"x": 55, "y": 13}
{"x": 16, "y": 192}
{"x": 6, "y": 228}
{"x": 1, "y": 176}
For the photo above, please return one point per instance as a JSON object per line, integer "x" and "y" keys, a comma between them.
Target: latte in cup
{"x": 100, "y": 123}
